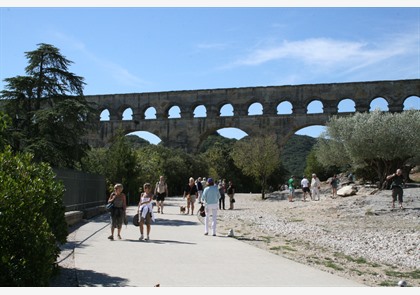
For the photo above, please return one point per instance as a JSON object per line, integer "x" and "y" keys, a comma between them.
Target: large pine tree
{"x": 50, "y": 115}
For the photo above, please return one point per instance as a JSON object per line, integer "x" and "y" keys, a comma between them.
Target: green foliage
{"x": 49, "y": 114}
{"x": 313, "y": 166}
{"x": 295, "y": 152}
{"x": 257, "y": 157}
{"x": 95, "y": 161}
{"x": 32, "y": 220}
{"x": 137, "y": 142}
{"x": 5, "y": 122}
{"x": 218, "y": 157}
{"x": 121, "y": 165}
{"x": 383, "y": 141}
{"x": 176, "y": 165}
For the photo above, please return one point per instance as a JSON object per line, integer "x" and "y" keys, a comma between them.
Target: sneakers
{"x": 119, "y": 237}
{"x": 206, "y": 234}
{"x": 111, "y": 237}
{"x": 142, "y": 238}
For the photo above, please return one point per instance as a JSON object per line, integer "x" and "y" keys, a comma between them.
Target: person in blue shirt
{"x": 210, "y": 198}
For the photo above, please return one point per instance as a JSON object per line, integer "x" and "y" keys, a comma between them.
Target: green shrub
{"x": 32, "y": 223}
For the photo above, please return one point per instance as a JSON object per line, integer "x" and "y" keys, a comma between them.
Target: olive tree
{"x": 380, "y": 140}
{"x": 257, "y": 157}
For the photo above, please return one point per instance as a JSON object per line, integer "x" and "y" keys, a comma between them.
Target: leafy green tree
{"x": 121, "y": 164}
{"x": 382, "y": 141}
{"x": 32, "y": 220}
{"x": 49, "y": 113}
{"x": 95, "y": 161}
{"x": 176, "y": 165}
{"x": 314, "y": 166}
{"x": 4, "y": 125}
{"x": 219, "y": 160}
{"x": 257, "y": 157}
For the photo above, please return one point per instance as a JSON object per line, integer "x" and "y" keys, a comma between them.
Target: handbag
{"x": 233, "y": 200}
{"x": 136, "y": 220}
{"x": 109, "y": 206}
{"x": 202, "y": 211}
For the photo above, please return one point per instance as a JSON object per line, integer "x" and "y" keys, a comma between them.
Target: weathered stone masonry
{"x": 187, "y": 132}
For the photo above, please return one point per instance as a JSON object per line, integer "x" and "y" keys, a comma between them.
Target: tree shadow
{"x": 92, "y": 278}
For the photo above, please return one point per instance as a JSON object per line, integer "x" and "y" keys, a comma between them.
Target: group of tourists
{"x": 208, "y": 193}
{"x": 212, "y": 196}
{"x": 311, "y": 188}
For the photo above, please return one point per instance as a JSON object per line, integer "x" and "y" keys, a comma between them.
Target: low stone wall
{"x": 73, "y": 217}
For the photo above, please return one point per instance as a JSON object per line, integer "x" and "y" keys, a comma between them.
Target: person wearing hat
{"x": 211, "y": 196}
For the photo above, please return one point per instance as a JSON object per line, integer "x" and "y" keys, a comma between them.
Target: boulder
{"x": 346, "y": 191}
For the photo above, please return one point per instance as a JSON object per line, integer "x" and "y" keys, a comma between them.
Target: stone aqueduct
{"x": 187, "y": 132}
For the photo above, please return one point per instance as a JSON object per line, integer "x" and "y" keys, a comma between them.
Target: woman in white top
{"x": 315, "y": 187}
{"x": 145, "y": 210}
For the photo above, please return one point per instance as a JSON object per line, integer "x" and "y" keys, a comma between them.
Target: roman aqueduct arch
{"x": 187, "y": 132}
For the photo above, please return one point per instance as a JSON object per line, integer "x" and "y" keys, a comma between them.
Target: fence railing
{"x": 83, "y": 190}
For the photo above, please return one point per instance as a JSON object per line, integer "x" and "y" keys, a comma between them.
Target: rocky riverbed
{"x": 359, "y": 237}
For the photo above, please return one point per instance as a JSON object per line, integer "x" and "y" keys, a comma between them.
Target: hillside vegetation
{"x": 294, "y": 154}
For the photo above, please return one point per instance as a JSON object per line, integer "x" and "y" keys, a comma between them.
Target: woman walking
{"x": 118, "y": 211}
{"x": 145, "y": 210}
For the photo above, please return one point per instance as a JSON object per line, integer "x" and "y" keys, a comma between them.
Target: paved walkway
{"x": 180, "y": 255}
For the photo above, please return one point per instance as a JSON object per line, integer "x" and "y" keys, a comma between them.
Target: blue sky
{"x": 142, "y": 49}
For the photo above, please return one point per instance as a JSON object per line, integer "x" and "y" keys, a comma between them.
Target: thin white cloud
{"x": 329, "y": 53}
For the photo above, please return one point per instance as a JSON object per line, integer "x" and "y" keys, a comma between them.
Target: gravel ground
{"x": 359, "y": 237}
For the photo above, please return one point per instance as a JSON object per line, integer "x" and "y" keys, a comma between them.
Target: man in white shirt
{"x": 305, "y": 188}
